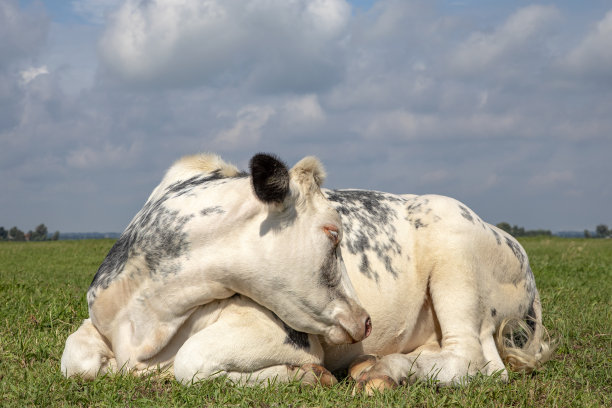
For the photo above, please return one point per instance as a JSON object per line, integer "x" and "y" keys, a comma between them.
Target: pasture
{"x": 42, "y": 301}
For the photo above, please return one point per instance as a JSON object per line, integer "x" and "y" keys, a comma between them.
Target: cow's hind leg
{"x": 86, "y": 353}
{"x": 249, "y": 345}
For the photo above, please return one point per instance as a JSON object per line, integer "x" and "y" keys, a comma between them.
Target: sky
{"x": 505, "y": 106}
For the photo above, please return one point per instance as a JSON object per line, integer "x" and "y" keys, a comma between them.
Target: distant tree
{"x": 602, "y": 231}
{"x": 55, "y": 236}
{"x": 505, "y": 227}
{"x": 40, "y": 233}
{"x": 587, "y": 234}
{"x": 3, "y": 234}
{"x": 517, "y": 231}
{"x": 16, "y": 234}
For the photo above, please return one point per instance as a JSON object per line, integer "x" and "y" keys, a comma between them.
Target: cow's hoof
{"x": 373, "y": 384}
{"x": 361, "y": 364}
{"x": 315, "y": 374}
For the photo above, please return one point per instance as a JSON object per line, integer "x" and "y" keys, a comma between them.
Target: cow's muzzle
{"x": 352, "y": 328}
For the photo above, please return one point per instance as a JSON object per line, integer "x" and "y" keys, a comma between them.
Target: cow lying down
{"x": 225, "y": 273}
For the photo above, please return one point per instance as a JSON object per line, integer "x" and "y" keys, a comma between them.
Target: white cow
{"x": 206, "y": 233}
{"x": 439, "y": 283}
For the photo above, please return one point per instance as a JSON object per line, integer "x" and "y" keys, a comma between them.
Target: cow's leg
{"x": 459, "y": 354}
{"x": 428, "y": 361}
{"x": 490, "y": 352}
{"x": 86, "y": 353}
{"x": 250, "y": 345}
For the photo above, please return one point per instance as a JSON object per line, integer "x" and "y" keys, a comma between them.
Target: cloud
{"x": 23, "y": 33}
{"x": 551, "y": 178}
{"x": 436, "y": 176}
{"x": 304, "y": 109}
{"x": 271, "y": 45}
{"x": 105, "y": 156}
{"x": 593, "y": 55}
{"x": 247, "y": 129}
{"x": 27, "y": 75}
{"x": 518, "y": 34}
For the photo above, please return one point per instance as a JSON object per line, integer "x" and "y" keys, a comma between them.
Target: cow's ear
{"x": 270, "y": 178}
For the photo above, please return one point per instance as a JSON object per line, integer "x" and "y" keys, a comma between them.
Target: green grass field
{"x": 42, "y": 301}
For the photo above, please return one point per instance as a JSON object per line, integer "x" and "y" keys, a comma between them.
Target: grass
{"x": 42, "y": 301}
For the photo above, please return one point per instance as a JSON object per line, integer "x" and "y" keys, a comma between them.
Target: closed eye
{"x": 332, "y": 233}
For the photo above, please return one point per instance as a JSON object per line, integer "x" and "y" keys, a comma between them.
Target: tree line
{"x": 40, "y": 233}
{"x": 601, "y": 231}
{"x": 517, "y": 231}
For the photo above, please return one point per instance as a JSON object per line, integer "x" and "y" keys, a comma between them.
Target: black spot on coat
{"x": 368, "y": 222}
{"x": 465, "y": 213}
{"x": 298, "y": 340}
{"x": 516, "y": 250}
{"x": 212, "y": 210}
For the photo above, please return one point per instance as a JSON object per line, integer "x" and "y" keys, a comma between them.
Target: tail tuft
{"x": 525, "y": 346}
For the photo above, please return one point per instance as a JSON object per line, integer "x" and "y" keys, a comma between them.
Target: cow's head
{"x": 298, "y": 245}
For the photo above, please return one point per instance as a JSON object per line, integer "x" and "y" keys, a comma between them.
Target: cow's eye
{"x": 332, "y": 233}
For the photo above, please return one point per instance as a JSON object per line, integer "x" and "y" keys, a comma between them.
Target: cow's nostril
{"x": 368, "y": 326}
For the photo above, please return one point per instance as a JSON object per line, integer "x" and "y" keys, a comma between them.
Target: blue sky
{"x": 503, "y": 105}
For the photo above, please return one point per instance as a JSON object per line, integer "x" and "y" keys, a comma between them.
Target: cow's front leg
{"x": 249, "y": 345}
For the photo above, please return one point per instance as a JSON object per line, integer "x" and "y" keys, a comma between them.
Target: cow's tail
{"x": 524, "y": 345}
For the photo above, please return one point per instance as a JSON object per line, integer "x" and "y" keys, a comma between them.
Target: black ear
{"x": 270, "y": 178}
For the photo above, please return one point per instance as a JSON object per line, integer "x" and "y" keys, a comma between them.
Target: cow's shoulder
{"x": 157, "y": 235}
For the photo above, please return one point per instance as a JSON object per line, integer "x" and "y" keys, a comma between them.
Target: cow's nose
{"x": 368, "y": 327}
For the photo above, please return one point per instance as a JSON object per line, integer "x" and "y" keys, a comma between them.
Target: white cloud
{"x": 401, "y": 124}
{"x": 482, "y": 51}
{"x": 246, "y": 130}
{"x": 105, "y": 156}
{"x": 214, "y": 42}
{"x": 29, "y": 74}
{"x": 593, "y": 56}
{"x": 304, "y": 109}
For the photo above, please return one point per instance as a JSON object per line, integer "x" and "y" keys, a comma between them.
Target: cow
{"x": 441, "y": 285}
{"x": 206, "y": 233}
{"x": 450, "y": 296}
